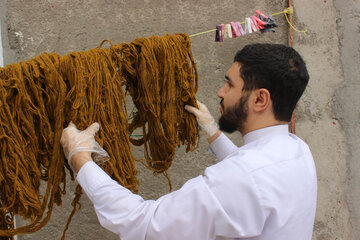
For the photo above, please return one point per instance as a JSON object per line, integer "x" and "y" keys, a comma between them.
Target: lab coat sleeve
{"x": 192, "y": 212}
{"x": 222, "y": 147}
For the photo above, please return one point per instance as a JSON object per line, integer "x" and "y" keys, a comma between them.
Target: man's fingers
{"x": 62, "y": 140}
{"x": 93, "y": 128}
{"x": 71, "y": 124}
{"x": 202, "y": 107}
{"x": 65, "y": 133}
{"x": 71, "y": 127}
{"x": 192, "y": 110}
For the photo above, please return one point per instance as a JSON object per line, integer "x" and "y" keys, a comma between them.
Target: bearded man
{"x": 263, "y": 190}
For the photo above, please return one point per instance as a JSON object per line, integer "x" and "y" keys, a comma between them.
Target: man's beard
{"x": 234, "y": 117}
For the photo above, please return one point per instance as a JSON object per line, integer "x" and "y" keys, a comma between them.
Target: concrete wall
{"x": 347, "y": 101}
{"x": 327, "y": 115}
{"x": 317, "y": 123}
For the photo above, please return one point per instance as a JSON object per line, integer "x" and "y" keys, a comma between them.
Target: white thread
{"x": 228, "y": 31}
{"x": 248, "y": 25}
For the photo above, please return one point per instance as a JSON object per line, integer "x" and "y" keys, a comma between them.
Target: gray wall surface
{"x": 327, "y": 117}
{"x": 347, "y": 101}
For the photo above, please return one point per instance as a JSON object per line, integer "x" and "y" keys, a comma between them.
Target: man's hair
{"x": 277, "y": 68}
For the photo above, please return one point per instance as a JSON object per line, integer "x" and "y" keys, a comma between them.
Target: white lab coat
{"x": 264, "y": 190}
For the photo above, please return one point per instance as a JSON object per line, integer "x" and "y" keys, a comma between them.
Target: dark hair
{"x": 279, "y": 69}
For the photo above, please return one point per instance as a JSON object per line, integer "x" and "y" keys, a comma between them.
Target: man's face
{"x": 234, "y": 102}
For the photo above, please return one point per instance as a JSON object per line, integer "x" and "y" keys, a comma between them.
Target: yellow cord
{"x": 200, "y": 33}
{"x": 288, "y": 10}
{"x": 287, "y": 19}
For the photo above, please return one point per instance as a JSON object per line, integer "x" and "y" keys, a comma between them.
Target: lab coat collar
{"x": 259, "y": 133}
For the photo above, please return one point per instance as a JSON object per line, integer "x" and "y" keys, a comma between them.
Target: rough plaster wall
{"x": 317, "y": 122}
{"x": 33, "y": 27}
{"x": 347, "y": 101}
{"x": 63, "y": 26}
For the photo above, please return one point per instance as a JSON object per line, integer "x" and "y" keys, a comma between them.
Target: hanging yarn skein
{"x": 160, "y": 104}
{"x": 39, "y": 97}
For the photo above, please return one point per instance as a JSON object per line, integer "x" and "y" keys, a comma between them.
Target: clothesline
{"x": 286, "y": 11}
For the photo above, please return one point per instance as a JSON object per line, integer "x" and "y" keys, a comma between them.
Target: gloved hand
{"x": 204, "y": 118}
{"x": 74, "y": 141}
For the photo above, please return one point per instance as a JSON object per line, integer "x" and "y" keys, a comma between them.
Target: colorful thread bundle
{"x": 288, "y": 11}
{"x": 41, "y": 96}
{"x": 257, "y": 22}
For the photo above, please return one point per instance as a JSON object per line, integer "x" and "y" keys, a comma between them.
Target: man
{"x": 265, "y": 189}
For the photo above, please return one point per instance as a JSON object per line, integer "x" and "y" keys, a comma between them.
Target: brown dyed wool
{"x": 39, "y": 97}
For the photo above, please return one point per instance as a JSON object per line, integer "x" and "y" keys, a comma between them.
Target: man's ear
{"x": 262, "y": 99}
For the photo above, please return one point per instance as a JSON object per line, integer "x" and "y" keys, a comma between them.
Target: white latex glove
{"x": 204, "y": 118}
{"x": 74, "y": 141}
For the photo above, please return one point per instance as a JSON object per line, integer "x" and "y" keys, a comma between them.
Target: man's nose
{"x": 222, "y": 91}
